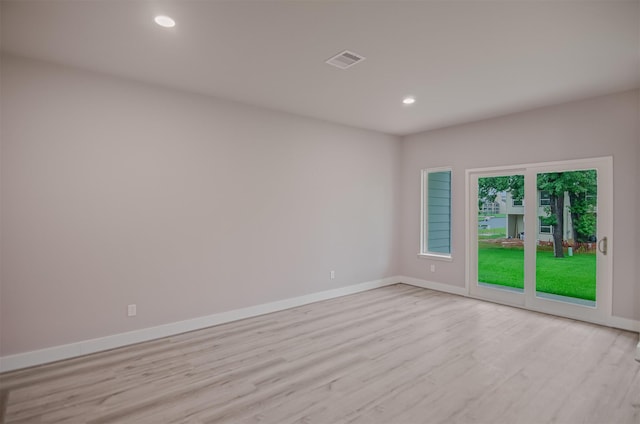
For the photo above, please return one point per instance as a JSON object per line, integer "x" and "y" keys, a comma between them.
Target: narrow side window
{"x": 436, "y": 212}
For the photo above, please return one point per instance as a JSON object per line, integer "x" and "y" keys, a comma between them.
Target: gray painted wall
{"x": 115, "y": 192}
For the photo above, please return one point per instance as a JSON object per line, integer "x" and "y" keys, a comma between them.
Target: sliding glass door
{"x": 539, "y": 237}
{"x": 498, "y": 235}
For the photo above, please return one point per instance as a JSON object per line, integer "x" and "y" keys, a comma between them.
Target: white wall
{"x": 116, "y": 192}
{"x": 604, "y": 126}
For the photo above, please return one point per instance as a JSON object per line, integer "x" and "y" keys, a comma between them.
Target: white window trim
{"x": 540, "y": 225}
{"x": 424, "y": 253}
{"x": 436, "y": 256}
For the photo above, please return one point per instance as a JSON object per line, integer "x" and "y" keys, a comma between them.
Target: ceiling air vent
{"x": 345, "y": 60}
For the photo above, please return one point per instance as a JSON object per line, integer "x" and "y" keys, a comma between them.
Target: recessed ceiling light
{"x": 165, "y": 21}
{"x": 409, "y": 100}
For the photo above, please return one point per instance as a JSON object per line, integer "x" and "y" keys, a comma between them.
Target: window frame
{"x": 424, "y": 217}
{"x": 541, "y": 225}
{"x": 541, "y": 198}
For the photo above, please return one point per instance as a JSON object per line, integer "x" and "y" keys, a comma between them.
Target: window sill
{"x": 447, "y": 258}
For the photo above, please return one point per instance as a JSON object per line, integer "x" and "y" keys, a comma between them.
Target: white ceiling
{"x": 462, "y": 60}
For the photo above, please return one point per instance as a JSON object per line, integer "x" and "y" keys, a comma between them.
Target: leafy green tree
{"x": 583, "y": 199}
{"x": 581, "y": 187}
{"x": 554, "y": 183}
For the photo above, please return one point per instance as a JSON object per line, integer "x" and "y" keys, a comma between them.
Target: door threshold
{"x": 566, "y": 299}
{"x": 501, "y": 287}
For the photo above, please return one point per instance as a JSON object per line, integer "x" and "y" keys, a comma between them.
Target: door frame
{"x": 602, "y": 313}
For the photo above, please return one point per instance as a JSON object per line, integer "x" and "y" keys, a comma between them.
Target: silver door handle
{"x": 602, "y": 245}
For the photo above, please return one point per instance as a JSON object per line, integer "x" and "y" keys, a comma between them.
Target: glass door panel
{"x": 500, "y": 240}
{"x": 567, "y": 209}
{"x": 496, "y": 250}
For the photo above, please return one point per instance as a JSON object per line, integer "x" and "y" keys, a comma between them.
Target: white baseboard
{"x": 447, "y": 288}
{"x": 624, "y": 323}
{"x": 57, "y": 353}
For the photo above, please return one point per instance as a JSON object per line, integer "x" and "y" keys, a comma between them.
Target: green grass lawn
{"x": 573, "y": 276}
{"x": 487, "y": 233}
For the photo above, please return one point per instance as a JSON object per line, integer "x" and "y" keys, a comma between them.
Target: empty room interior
{"x": 320, "y": 212}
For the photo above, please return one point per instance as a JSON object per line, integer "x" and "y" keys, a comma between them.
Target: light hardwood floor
{"x": 397, "y": 354}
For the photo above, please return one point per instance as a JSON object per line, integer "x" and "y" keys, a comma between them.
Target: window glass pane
{"x": 544, "y": 228}
{"x": 544, "y": 198}
{"x": 439, "y": 212}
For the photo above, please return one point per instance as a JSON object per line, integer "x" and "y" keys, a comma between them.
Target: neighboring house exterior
{"x": 496, "y": 207}
{"x": 515, "y": 218}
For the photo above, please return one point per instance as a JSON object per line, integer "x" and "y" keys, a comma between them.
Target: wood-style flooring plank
{"x": 394, "y": 355}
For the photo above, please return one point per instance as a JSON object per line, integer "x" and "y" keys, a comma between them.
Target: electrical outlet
{"x": 433, "y": 268}
{"x": 131, "y": 310}
{"x": 332, "y": 275}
